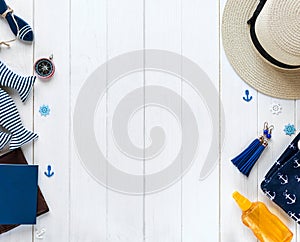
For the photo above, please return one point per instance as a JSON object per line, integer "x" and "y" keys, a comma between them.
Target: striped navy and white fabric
{"x": 4, "y": 139}
{"x": 22, "y": 85}
{"x": 24, "y": 31}
{"x": 11, "y": 121}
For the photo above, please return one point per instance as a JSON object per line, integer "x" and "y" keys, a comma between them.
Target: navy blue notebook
{"x": 18, "y": 194}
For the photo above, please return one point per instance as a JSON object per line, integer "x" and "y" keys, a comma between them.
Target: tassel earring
{"x": 247, "y": 159}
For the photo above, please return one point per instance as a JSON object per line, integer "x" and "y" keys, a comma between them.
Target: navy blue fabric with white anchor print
{"x": 282, "y": 182}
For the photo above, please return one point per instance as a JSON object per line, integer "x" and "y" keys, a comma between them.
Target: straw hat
{"x": 262, "y": 42}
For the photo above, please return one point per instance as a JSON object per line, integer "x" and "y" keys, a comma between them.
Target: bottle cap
{"x": 243, "y": 202}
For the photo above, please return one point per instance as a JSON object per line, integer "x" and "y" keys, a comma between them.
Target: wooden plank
{"x": 200, "y": 198}
{"x": 52, "y": 147}
{"x": 88, "y": 51}
{"x": 163, "y": 208}
{"x": 124, "y": 34}
{"x": 239, "y": 134}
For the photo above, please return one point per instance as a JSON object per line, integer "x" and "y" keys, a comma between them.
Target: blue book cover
{"x": 18, "y": 194}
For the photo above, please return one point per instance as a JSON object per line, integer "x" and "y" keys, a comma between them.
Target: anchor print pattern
{"x": 293, "y": 216}
{"x": 270, "y": 194}
{"x": 291, "y": 198}
{"x": 283, "y": 179}
{"x": 292, "y": 146}
{"x": 296, "y": 163}
{"x": 282, "y": 182}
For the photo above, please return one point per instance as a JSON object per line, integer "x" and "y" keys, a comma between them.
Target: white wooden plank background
{"x": 84, "y": 35}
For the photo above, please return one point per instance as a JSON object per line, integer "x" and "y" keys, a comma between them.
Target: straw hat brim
{"x": 247, "y": 62}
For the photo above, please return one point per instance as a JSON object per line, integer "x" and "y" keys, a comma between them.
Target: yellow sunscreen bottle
{"x": 266, "y": 226}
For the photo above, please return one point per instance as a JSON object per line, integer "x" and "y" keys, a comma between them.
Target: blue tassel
{"x": 247, "y": 159}
{"x": 246, "y": 168}
{"x": 240, "y": 160}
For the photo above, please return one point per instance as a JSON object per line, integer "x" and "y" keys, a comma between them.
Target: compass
{"x": 44, "y": 67}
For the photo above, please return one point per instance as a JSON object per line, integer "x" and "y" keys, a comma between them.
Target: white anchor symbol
{"x": 293, "y": 216}
{"x": 292, "y": 146}
{"x": 40, "y": 234}
{"x": 284, "y": 179}
{"x": 269, "y": 194}
{"x": 288, "y": 197}
{"x": 297, "y": 164}
{"x": 297, "y": 178}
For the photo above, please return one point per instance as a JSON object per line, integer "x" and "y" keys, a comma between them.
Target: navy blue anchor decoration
{"x": 49, "y": 173}
{"x": 283, "y": 179}
{"x": 247, "y": 98}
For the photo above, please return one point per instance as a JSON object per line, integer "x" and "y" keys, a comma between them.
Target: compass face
{"x": 44, "y": 68}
